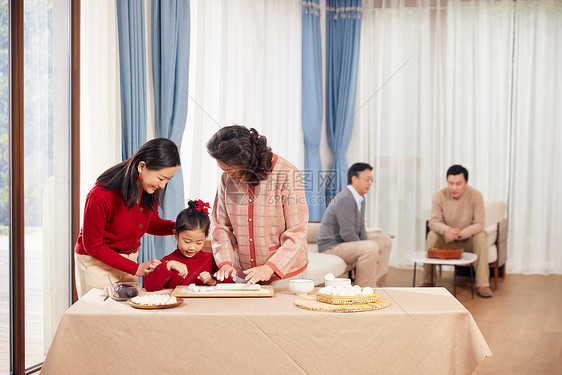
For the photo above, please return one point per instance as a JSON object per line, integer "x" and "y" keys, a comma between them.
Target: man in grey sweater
{"x": 342, "y": 231}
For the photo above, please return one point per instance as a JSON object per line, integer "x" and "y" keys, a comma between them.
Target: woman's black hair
{"x": 158, "y": 153}
{"x": 191, "y": 218}
{"x": 242, "y": 147}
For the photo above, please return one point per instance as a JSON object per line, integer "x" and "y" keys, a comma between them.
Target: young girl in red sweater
{"x": 187, "y": 264}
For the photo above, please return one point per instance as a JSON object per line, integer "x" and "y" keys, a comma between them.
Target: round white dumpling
{"x": 356, "y": 289}
{"x": 367, "y": 290}
{"x": 343, "y": 292}
{"x": 329, "y": 276}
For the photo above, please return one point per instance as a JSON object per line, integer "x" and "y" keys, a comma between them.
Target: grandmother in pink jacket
{"x": 260, "y": 213}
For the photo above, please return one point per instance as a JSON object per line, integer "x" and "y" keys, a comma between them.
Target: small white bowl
{"x": 338, "y": 282}
{"x": 301, "y": 286}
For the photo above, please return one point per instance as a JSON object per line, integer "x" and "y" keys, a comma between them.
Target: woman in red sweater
{"x": 119, "y": 210}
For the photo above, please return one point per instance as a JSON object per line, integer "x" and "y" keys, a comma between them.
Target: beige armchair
{"x": 496, "y": 232}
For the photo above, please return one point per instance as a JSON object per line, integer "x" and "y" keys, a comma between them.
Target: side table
{"x": 467, "y": 259}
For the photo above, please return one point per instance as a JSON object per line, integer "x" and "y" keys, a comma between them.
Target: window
{"x": 43, "y": 216}
{"x": 46, "y": 172}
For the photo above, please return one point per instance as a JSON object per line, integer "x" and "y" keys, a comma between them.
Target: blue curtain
{"x": 343, "y": 31}
{"x": 170, "y": 60}
{"x": 312, "y": 108}
{"x": 132, "y": 67}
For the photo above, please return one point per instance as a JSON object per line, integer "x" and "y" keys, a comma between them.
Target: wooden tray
{"x": 445, "y": 253}
{"x": 310, "y": 303}
{"x": 181, "y": 291}
{"x": 151, "y": 307}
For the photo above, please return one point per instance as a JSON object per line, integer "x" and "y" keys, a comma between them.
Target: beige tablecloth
{"x": 424, "y": 331}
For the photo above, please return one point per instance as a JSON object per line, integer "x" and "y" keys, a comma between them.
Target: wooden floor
{"x": 522, "y": 323}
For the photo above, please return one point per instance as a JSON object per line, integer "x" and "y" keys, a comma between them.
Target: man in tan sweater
{"x": 457, "y": 220}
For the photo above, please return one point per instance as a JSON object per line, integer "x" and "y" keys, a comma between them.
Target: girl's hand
{"x": 256, "y": 274}
{"x": 146, "y": 267}
{"x": 206, "y": 278}
{"x": 178, "y": 266}
{"x": 225, "y": 272}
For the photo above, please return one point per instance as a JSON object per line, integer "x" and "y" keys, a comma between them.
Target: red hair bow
{"x": 202, "y": 206}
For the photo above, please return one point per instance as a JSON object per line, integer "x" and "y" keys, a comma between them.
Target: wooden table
{"x": 424, "y": 331}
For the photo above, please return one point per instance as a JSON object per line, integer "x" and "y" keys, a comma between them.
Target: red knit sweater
{"x": 109, "y": 228}
{"x": 162, "y": 278}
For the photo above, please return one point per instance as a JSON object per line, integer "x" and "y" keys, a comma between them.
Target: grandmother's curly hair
{"x": 239, "y": 146}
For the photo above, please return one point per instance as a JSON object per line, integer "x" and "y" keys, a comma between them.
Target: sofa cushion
{"x": 312, "y": 247}
{"x": 313, "y": 229}
{"x": 492, "y": 253}
{"x": 495, "y": 211}
{"x": 320, "y": 264}
{"x": 491, "y": 233}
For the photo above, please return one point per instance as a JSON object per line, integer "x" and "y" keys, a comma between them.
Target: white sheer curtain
{"x": 245, "y": 69}
{"x": 440, "y": 82}
{"x": 100, "y": 105}
{"x": 535, "y": 209}
{"x": 434, "y": 84}
{"x": 477, "y": 94}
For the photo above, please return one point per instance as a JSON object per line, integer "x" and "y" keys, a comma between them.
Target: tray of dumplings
{"x": 343, "y": 299}
{"x": 346, "y": 295}
{"x": 224, "y": 290}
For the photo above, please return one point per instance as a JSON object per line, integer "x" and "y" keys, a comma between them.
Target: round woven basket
{"x": 311, "y": 304}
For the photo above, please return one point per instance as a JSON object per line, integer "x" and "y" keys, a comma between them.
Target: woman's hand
{"x": 256, "y": 274}
{"x": 225, "y": 272}
{"x": 146, "y": 267}
{"x": 178, "y": 266}
{"x": 206, "y": 278}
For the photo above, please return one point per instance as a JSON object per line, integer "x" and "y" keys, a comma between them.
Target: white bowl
{"x": 338, "y": 282}
{"x": 301, "y": 286}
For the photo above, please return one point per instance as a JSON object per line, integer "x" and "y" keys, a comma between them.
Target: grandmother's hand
{"x": 257, "y": 274}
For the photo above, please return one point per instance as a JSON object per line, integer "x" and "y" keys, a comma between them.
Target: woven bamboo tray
{"x": 310, "y": 303}
{"x": 346, "y": 300}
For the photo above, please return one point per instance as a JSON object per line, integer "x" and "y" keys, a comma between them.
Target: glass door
{"x": 47, "y": 80}
{"x": 4, "y": 187}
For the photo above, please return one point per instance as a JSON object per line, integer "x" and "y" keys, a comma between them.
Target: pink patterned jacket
{"x": 264, "y": 224}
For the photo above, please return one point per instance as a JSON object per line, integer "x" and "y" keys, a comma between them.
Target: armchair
{"x": 496, "y": 233}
